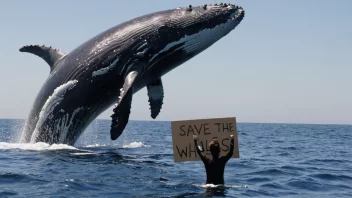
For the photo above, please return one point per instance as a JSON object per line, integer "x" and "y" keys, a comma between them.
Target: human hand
{"x": 195, "y": 137}
{"x": 231, "y": 136}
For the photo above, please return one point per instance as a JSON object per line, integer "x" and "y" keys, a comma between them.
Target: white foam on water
{"x": 226, "y": 186}
{"x": 210, "y": 186}
{"x": 136, "y": 144}
{"x": 95, "y": 145}
{"x": 39, "y": 146}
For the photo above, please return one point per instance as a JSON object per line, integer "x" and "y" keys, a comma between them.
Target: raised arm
{"x": 200, "y": 153}
{"x": 230, "y": 153}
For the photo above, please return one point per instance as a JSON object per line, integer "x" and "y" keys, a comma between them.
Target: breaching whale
{"x": 109, "y": 68}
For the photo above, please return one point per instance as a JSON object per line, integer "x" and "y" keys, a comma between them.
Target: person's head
{"x": 214, "y": 148}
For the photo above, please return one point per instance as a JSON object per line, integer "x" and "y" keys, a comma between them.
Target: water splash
{"x": 95, "y": 146}
{"x": 39, "y": 146}
{"x": 10, "y": 130}
{"x": 136, "y": 144}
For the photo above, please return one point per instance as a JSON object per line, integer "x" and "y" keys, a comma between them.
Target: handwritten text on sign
{"x": 206, "y": 129}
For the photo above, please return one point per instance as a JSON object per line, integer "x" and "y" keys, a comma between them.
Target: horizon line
{"x": 293, "y": 123}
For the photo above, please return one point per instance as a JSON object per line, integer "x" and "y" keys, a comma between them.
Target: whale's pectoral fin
{"x": 156, "y": 96}
{"x": 49, "y": 54}
{"x": 123, "y": 108}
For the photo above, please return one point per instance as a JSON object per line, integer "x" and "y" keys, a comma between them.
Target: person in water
{"x": 215, "y": 165}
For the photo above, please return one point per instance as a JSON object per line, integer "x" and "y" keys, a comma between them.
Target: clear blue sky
{"x": 288, "y": 61}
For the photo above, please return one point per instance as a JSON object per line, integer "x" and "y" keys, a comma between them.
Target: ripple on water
{"x": 331, "y": 177}
{"x": 258, "y": 179}
{"x": 8, "y": 178}
{"x": 293, "y": 167}
{"x": 314, "y": 161}
{"x": 307, "y": 184}
{"x": 255, "y": 193}
{"x": 7, "y": 193}
{"x": 270, "y": 172}
{"x": 274, "y": 185}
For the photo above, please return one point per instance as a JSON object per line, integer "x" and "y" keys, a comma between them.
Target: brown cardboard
{"x": 205, "y": 129}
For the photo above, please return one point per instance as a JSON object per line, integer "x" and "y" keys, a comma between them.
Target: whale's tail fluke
{"x": 49, "y": 54}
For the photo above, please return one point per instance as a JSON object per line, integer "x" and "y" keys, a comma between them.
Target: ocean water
{"x": 277, "y": 160}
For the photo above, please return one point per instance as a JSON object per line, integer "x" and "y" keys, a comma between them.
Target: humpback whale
{"x": 110, "y": 67}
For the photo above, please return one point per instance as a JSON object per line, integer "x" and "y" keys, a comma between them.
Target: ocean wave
{"x": 7, "y": 193}
{"x": 39, "y": 146}
{"x": 84, "y": 153}
{"x": 136, "y": 144}
{"x": 274, "y": 186}
{"x": 259, "y": 179}
{"x": 11, "y": 177}
{"x": 271, "y": 172}
{"x": 330, "y": 177}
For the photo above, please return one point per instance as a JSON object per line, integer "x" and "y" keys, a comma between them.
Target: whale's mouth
{"x": 239, "y": 14}
{"x": 235, "y": 12}
{"x": 227, "y": 13}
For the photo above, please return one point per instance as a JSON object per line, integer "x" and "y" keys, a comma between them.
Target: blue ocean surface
{"x": 276, "y": 160}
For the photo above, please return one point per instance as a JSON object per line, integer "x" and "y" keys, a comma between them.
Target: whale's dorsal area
{"x": 49, "y": 54}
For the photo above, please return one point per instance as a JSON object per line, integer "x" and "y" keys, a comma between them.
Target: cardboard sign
{"x": 206, "y": 129}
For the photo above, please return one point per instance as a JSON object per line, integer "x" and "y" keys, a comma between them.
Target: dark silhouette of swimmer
{"x": 215, "y": 165}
